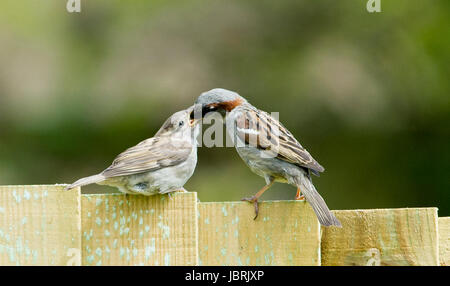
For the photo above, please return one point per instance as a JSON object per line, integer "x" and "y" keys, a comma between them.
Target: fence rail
{"x": 45, "y": 225}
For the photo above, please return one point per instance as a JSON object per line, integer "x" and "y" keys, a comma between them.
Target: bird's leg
{"x": 299, "y": 196}
{"x": 255, "y": 198}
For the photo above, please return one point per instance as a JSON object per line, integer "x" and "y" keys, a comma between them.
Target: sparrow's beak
{"x": 196, "y": 112}
{"x": 193, "y": 122}
{"x": 194, "y": 117}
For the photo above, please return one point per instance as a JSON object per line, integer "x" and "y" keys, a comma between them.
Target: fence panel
{"x": 444, "y": 241}
{"x": 139, "y": 230}
{"x": 383, "y": 237}
{"x": 45, "y": 225}
{"x": 39, "y": 225}
{"x": 285, "y": 233}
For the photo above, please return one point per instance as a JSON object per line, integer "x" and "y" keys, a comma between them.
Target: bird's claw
{"x": 253, "y": 200}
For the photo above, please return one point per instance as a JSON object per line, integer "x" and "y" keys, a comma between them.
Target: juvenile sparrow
{"x": 268, "y": 149}
{"x": 158, "y": 165}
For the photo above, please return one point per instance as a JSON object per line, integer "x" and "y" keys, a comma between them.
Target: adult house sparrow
{"x": 158, "y": 165}
{"x": 268, "y": 149}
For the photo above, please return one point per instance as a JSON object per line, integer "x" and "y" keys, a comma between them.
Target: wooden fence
{"x": 45, "y": 225}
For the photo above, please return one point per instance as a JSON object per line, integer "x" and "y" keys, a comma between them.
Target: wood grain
{"x": 139, "y": 230}
{"x": 444, "y": 241}
{"x": 285, "y": 233}
{"x": 39, "y": 225}
{"x": 383, "y": 237}
{"x": 45, "y": 225}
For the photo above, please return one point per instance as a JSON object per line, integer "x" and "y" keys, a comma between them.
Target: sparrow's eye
{"x": 181, "y": 123}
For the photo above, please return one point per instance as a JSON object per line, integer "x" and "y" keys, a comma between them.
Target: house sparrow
{"x": 158, "y": 165}
{"x": 268, "y": 148}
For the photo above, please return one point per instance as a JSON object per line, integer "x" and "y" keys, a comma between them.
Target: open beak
{"x": 192, "y": 116}
{"x": 193, "y": 122}
{"x": 195, "y": 115}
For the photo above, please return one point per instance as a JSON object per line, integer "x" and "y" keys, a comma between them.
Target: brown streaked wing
{"x": 149, "y": 155}
{"x": 269, "y": 134}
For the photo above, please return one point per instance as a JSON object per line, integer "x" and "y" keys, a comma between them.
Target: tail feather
{"x": 86, "y": 181}
{"x": 323, "y": 213}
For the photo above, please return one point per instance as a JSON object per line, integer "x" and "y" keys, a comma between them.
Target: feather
{"x": 323, "y": 213}
{"x": 150, "y": 155}
{"x": 259, "y": 129}
{"x": 86, "y": 181}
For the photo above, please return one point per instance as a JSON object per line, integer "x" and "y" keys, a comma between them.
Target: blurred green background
{"x": 367, "y": 94}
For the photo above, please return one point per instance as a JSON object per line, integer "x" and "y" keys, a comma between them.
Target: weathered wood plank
{"x": 139, "y": 230}
{"x": 383, "y": 237}
{"x": 285, "y": 233}
{"x": 39, "y": 225}
{"x": 444, "y": 241}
